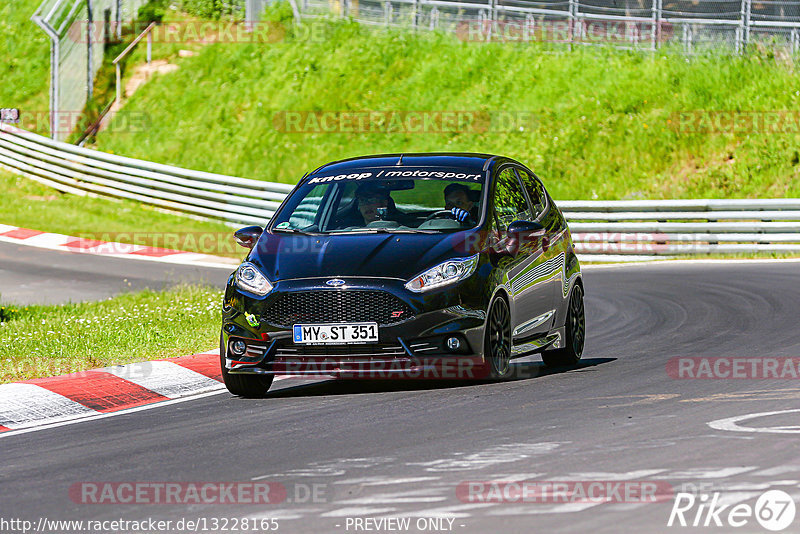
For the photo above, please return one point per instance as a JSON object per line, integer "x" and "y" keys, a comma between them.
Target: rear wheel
{"x": 497, "y": 341}
{"x": 575, "y": 333}
{"x": 250, "y": 386}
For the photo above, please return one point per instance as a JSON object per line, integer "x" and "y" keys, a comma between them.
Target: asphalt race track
{"x": 31, "y": 275}
{"x": 402, "y": 449}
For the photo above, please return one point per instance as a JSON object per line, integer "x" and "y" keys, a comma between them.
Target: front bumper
{"x": 413, "y": 345}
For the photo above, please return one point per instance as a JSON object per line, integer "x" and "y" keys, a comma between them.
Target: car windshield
{"x": 428, "y": 200}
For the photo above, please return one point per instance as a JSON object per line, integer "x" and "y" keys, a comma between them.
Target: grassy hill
{"x": 24, "y": 59}
{"x": 604, "y": 121}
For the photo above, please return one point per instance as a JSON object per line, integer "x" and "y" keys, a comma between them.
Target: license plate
{"x": 336, "y": 333}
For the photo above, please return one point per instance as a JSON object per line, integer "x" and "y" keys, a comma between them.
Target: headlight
{"x": 249, "y": 278}
{"x": 443, "y": 274}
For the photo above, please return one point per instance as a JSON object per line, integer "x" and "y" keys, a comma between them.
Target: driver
{"x": 458, "y": 199}
{"x": 370, "y": 198}
{"x": 373, "y": 203}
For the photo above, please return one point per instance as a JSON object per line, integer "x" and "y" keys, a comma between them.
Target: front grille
{"x": 336, "y": 306}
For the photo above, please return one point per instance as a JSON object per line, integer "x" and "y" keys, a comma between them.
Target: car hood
{"x": 287, "y": 256}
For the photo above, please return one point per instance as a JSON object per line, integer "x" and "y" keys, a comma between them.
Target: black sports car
{"x": 399, "y": 264}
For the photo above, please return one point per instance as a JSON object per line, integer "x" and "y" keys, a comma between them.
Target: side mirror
{"x": 247, "y": 237}
{"x": 525, "y": 228}
{"x": 521, "y": 231}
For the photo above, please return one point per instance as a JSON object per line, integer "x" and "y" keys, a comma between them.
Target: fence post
{"x": 571, "y": 18}
{"x": 416, "y": 13}
{"x": 687, "y": 37}
{"x": 486, "y": 29}
{"x": 387, "y": 13}
{"x": 655, "y": 33}
{"x": 89, "y": 50}
{"x": 493, "y": 16}
{"x": 119, "y": 83}
{"x": 149, "y": 46}
{"x": 793, "y": 41}
{"x": 55, "y": 87}
{"x": 529, "y": 29}
{"x": 118, "y": 31}
{"x": 744, "y": 25}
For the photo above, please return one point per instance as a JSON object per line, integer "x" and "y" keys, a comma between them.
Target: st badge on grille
{"x": 335, "y": 282}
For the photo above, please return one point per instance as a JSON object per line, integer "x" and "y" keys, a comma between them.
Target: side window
{"x": 535, "y": 192}
{"x": 305, "y": 213}
{"x": 510, "y": 203}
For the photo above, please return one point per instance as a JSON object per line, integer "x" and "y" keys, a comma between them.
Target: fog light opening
{"x": 453, "y": 343}
{"x": 238, "y": 347}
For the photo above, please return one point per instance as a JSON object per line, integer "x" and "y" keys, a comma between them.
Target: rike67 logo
{"x": 774, "y": 510}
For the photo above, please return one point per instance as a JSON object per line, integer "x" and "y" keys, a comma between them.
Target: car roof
{"x": 474, "y": 162}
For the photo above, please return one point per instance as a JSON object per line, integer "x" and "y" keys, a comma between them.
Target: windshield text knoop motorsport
{"x": 406, "y": 173}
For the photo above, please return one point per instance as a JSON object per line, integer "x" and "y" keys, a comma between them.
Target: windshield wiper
{"x": 384, "y": 231}
{"x": 291, "y": 231}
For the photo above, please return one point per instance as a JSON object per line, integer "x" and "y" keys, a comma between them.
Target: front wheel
{"x": 497, "y": 341}
{"x": 249, "y": 386}
{"x": 575, "y": 333}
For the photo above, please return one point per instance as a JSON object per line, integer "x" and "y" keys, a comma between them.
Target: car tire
{"x": 497, "y": 341}
{"x": 249, "y": 386}
{"x": 574, "y": 333}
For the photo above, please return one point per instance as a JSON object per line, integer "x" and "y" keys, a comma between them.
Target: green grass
{"x": 28, "y": 204}
{"x": 604, "y": 119}
{"x": 37, "y": 341}
{"x": 24, "y": 60}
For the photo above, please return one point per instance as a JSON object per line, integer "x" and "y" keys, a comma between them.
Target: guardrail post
{"x": 794, "y": 41}
{"x": 416, "y": 13}
{"x": 387, "y": 13}
{"x": 434, "y": 18}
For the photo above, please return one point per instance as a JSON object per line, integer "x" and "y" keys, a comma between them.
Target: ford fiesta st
{"x": 397, "y": 261}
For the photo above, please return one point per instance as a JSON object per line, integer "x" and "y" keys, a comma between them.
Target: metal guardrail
{"x": 626, "y": 229}
{"x": 649, "y": 229}
{"x": 82, "y": 171}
